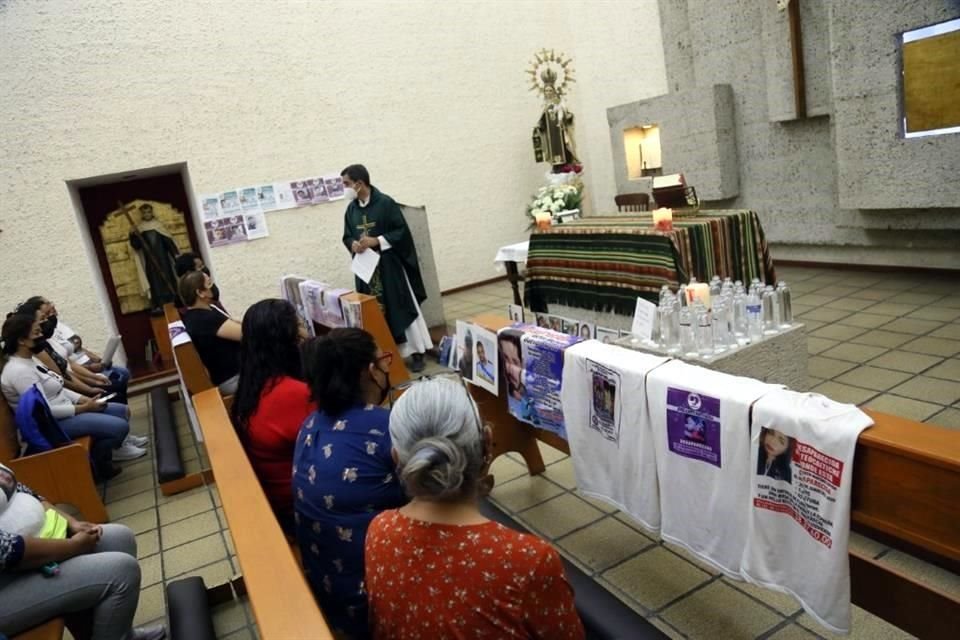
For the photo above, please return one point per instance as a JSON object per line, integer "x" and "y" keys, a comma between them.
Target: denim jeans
{"x": 106, "y": 583}
{"x": 107, "y": 428}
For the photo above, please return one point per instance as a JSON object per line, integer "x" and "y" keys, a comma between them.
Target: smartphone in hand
{"x": 105, "y": 399}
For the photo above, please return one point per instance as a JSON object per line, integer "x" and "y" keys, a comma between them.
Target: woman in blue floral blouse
{"x": 343, "y": 472}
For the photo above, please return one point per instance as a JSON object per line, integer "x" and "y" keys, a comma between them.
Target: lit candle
{"x": 544, "y": 219}
{"x": 699, "y": 291}
{"x": 663, "y": 219}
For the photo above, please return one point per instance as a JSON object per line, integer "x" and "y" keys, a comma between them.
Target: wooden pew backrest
{"x": 9, "y": 442}
{"x": 376, "y": 325}
{"x": 192, "y": 370}
{"x": 281, "y": 598}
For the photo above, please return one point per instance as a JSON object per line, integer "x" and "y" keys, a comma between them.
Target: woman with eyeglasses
{"x": 437, "y": 567}
{"x": 272, "y": 398}
{"x": 343, "y": 473}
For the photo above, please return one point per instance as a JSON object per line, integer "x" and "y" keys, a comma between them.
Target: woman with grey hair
{"x": 437, "y": 567}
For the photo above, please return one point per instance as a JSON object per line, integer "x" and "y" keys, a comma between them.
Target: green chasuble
{"x": 382, "y": 217}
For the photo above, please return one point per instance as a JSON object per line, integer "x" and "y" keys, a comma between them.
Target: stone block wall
{"x": 842, "y": 184}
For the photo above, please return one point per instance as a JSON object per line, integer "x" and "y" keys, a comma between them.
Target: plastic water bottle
{"x": 674, "y": 307}
{"x": 682, "y": 295}
{"x": 688, "y": 336}
{"x": 754, "y": 317}
{"x": 771, "y": 311}
{"x": 721, "y": 329}
{"x": 669, "y": 327}
{"x": 739, "y": 312}
{"x": 714, "y": 287}
{"x": 664, "y": 292}
{"x": 786, "y": 304}
{"x": 704, "y": 330}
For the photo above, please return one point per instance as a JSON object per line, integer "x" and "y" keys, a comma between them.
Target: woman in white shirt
{"x": 78, "y": 415}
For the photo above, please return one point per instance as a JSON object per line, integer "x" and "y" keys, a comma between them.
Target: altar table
{"x": 605, "y": 263}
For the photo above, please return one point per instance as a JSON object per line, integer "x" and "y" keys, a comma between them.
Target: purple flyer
{"x": 693, "y": 425}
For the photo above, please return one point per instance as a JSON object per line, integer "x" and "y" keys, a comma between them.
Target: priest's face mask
{"x": 351, "y": 188}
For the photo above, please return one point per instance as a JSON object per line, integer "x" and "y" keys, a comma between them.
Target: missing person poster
{"x": 464, "y": 348}
{"x": 693, "y": 425}
{"x": 799, "y": 481}
{"x": 210, "y": 206}
{"x": 485, "y": 360}
{"x": 605, "y": 400}
{"x": 541, "y": 352}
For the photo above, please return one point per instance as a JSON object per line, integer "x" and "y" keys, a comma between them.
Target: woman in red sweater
{"x": 272, "y": 400}
{"x": 437, "y": 568}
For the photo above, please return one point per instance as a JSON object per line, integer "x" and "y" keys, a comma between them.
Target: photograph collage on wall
{"x": 238, "y": 215}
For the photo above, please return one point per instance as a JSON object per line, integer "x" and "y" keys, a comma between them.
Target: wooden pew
{"x": 906, "y": 490}
{"x": 62, "y": 476}
{"x": 281, "y": 598}
{"x": 192, "y": 371}
{"x": 376, "y": 325}
{"x": 267, "y": 557}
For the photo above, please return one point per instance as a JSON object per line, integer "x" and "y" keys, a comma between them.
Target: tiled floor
{"x": 177, "y": 536}
{"x": 884, "y": 340}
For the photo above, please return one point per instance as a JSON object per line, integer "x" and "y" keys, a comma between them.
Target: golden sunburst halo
{"x": 550, "y": 67}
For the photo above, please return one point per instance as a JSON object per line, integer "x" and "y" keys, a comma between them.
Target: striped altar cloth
{"x": 605, "y": 263}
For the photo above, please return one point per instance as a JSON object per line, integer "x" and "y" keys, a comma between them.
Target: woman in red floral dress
{"x": 436, "y": 567}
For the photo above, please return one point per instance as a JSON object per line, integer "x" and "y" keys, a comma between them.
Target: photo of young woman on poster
{"x": 775, "y": 454}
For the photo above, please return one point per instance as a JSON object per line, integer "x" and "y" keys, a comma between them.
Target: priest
{"x": 374, "y": 222}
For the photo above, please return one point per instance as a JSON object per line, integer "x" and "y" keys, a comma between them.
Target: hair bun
{"x": 435, "y": 469}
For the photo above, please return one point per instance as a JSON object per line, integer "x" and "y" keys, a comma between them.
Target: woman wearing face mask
{"x": 78, "y": 415}
{"x": 187, "y": 262}
{"x": 343, "y": 474}
{"x": 214, "y": 333}
{"x": 272, "y": 399}
{"x": 54, "y": 356}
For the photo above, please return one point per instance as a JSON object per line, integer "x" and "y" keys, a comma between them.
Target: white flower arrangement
{"x": 553, "y": 199}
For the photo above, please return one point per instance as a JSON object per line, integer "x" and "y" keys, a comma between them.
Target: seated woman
{"x": 78, "y": 415}
{"x": 187, "y": 262}
{"x": 272, "y": 400}
{"x": 94, "y": 567}
{"x": 343, "y": 474}
{"x": 439, "y": 554}
{"x": 96, "y": 375}
{"x": 75, "y": 377}
{"x": 214, "y": 333}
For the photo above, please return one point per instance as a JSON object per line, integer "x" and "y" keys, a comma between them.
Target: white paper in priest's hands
{"x": 364, "y": 264}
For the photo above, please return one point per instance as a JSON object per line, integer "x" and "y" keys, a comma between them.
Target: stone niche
{"x": 877, "y": 167}
{"x": 697, "y": 139}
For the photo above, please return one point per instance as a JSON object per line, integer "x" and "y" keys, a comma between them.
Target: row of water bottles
{"x": 731, "y": 317}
